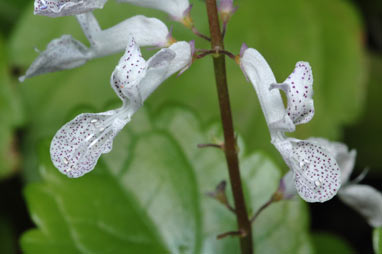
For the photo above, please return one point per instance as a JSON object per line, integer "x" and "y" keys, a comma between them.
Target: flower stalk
{"x": 230, "y": 151}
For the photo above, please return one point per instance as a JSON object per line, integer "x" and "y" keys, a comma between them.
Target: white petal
{"x": 183, "y": 57}
{"x": 146, "y": 32}
{"x": 60, "y": 54}
{"x": 58, "y": 8}
{"x": 128, "y": 74}
{"x": 164, "y": 64}
{"x": 191, "y": 54}
{"x": 157, "y": 67}
{"x": 299, "y": 89}
{"x": 76, "y": 147}
{"x": 345, "y": 158}
{"x": 89, "y": 25}
{"x": 316, "y": 173}
{"x": 364, "y": 199}
{"x": 175, "y": 8}
{"x": 256, "y": 68}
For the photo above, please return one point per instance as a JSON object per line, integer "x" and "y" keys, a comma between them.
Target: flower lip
{"x": 344, "y": 157}
{"x": 77, "y": 146}
{"x": 316, "y": 173}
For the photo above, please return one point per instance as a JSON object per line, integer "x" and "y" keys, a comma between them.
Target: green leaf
{"x": 377, "y": 240}
{"x": 149, "y": 194}
{"x": 325, "y": 33}
{"x": 330, "y": 243}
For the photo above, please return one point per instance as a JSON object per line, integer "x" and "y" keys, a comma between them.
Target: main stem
{"x": 229, "y": 136}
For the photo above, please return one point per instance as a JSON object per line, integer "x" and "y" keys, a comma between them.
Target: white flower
{"x": 58, "y": 8}
{"x": 315, "y": 171}
{"x": 362, "y": 198}
{"x": 76, "y": 147}
{"x": 177, "y": 9}
{"x": 67, "y": 53}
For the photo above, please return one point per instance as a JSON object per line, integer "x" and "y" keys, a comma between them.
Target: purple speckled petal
{"x": 58, "y": 8}
{"x": 345, "y": 158}
{"x": 129, "y": 72}
{"x": 316, "y": 173}
{"x": 299, "y": 89}
{"x": 76, "y": 147}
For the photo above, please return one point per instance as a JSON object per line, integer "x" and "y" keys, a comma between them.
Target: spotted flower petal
{"x": 345, "y": 158}
{"x": 162, "y": 65}
{"x": 299, "y": 89}
{"x": 128, "y": 74}
{"x": 76, "y": 147}
{"x": 58, "y": 8}
{"x": 316, "y": 173}
{"x": 60, "y": 54}
{"x": 177, "y": 9}
{"x": 364, "y": 199}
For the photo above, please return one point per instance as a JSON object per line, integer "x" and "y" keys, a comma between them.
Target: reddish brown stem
{"x": 244, "y": 225}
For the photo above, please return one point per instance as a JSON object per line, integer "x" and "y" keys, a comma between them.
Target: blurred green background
{"x": 341, "y": 39}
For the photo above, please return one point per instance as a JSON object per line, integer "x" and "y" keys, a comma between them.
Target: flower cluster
{"x": 77, "y": 146}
